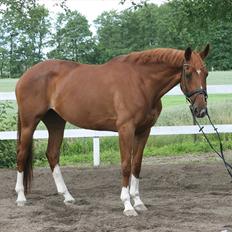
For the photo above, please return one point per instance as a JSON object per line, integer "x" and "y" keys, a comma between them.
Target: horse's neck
{"x": 168, "y": 80}
{"x": 162, "y": 78}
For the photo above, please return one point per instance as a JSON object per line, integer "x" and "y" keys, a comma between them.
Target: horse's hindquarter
{"x": 38, "y": 82}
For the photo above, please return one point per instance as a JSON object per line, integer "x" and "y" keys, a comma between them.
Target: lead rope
{"x": 219, "y": 153}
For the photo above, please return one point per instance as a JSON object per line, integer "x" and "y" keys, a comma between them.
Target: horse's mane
{"x": 172, "y": 57}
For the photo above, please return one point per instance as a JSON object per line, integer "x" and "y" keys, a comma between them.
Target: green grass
{"x": 172, "y": 101}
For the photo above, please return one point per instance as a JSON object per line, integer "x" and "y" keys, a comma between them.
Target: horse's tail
{"x": 28, "y": 170}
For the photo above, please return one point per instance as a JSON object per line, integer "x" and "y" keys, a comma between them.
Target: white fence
{"x": 96, "y": 135}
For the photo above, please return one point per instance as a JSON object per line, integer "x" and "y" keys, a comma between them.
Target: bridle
{"x": 195, "y": 92}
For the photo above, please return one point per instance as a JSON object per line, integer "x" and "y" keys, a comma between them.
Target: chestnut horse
{"x": 122, "y": 95}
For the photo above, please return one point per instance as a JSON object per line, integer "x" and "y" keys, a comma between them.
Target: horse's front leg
{"x": 126, "y": 140}
{"x": 139, "y": 144}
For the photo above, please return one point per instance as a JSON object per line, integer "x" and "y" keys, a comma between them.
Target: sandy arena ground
{"x": 193, "y": 193}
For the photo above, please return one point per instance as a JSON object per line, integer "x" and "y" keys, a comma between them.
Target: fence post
{"x": 194, "y": 136}
{"x": 96, "y": 151}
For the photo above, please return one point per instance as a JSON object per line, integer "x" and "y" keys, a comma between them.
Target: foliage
{"x": 72, "y": 39}
{"x": 208, "y": 21}
{"x": 202, "y": 10}
{"x": 25, "y": 26}
{"x": 177, "y": 24}
{"x": 7, "y": 148}
{"x": 136, "y": 3}
{"x": 29, "y": 35}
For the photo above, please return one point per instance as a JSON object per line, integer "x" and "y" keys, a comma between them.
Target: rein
{"x": 220, "y": 153}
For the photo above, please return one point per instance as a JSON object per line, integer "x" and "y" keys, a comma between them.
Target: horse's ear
{"x": 188, "y": 53}
{"x": 205, "y": 52}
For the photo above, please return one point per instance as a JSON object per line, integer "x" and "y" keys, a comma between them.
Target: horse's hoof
{"x": 130, "y": 213}
{"x": 140, "y": 207}
{"x": 21, "y": 203}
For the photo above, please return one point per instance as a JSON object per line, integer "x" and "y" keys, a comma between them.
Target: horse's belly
{"x": 87, "y": 118}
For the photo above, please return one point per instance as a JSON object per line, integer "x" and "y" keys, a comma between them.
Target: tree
{"x": 208, "y": 21}
{"x": 135, "y": 4}
{"x": 220, "y": 38}
{"x": 109, "y": 36}
{"x": 72, "y": 39}
{"x": 25, "y": 26}
{"x": 200, "y": 10}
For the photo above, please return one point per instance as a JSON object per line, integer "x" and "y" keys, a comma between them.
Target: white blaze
{"x": 198, "y": 71}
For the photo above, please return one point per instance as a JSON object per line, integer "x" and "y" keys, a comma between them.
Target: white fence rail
{"x": 96, "y": 135}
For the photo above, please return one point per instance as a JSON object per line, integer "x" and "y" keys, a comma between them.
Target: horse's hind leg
{"x": 22, "y": 157}
{"x": 55, "y": 125}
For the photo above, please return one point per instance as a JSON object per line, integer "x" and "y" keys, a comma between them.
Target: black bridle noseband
{"x": 196, "y": 92}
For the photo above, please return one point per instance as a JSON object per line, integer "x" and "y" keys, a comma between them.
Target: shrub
{"x": 7, "y": 148}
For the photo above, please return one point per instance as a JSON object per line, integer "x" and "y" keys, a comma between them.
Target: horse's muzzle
{"x": 199, "y": 112}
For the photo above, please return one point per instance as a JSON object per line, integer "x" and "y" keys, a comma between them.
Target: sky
{"x": 91, "y": 8}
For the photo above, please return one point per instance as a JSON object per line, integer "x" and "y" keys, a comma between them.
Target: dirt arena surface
{"x": 191, "y": 193}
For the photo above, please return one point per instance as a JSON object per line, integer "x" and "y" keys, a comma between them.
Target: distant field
{"x": 214, "y": 78}
{"x": 220, "y": 78}
{"x": 172, "y": 101}
{"x": 7, "y": 85}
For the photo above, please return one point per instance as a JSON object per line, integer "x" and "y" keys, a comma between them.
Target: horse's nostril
{"x": 203, "y": 112}
{"x": 195, "y": 110}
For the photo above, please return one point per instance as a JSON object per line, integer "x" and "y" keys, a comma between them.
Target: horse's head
{"x": 193, "y": 80}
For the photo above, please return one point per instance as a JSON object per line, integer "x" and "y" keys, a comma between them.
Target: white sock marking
{"x": 125, "y": 197}
{"x": 19, "y": 188}
{"x": 60, "y": 185}
{"x": 134, "y": 191}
